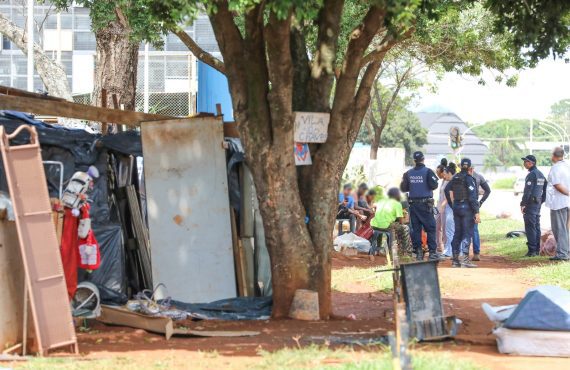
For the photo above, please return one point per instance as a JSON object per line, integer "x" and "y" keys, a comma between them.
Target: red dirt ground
{"x": 464, "y": 290}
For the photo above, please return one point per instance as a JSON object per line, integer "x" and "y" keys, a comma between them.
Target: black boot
{"x": 466, "y": 262}
{"x": 434, "y": 256}
{"x": 455, "y": 261}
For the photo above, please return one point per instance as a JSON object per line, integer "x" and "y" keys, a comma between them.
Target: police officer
{"x": 533, "y": 197}
{"x": 420, "y": 182}
{"x": 465, "y": 207}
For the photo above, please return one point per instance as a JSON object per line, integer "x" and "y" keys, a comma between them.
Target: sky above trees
{"x": 537, "y": 89}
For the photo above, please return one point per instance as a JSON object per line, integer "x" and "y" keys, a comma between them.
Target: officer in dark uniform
{"x": 419, "y": 183}
{"x": 465, "y": 207}
{"x": 533, "y": 197}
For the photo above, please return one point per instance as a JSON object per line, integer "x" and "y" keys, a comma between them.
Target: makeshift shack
{"x": 183, "y": 179}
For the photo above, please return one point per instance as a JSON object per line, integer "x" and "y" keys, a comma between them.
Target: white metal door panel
{"x": 188, "y": 208}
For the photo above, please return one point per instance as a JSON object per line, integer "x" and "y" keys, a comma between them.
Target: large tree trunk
{"x": 264, "y": 77}
{"x": 116, "y": 64}
{"x": 50, "y": 71}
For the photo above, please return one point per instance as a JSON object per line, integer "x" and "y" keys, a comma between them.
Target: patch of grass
{"x": 343, "y": 278}
{"x": 493, "y": 233}
{"x": 321, "y": 357}
{"x": 313, "y": 357}
{"x": 551, "y": 274}
{"x": 113, "y": 363}
{"x": 506, "y": 183}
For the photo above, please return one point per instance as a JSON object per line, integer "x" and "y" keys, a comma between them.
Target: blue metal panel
{"x": 213, "y": 89}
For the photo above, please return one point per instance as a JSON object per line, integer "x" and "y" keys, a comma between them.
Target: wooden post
{"x": 118, "y": 128}
{"x": 219, "y": 109}
{"x": 104, "y": 125}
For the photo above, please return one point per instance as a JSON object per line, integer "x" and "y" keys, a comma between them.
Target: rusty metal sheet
{"x": 188, "y": 209}
{"x": 38, "y": 242}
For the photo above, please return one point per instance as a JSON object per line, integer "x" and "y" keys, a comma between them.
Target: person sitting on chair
{"x": 389, "y": 212}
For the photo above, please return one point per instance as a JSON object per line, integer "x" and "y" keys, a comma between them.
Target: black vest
{"x": 459, "y": 187}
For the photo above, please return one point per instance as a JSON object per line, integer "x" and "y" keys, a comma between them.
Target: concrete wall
{"x": 11, "y": 285}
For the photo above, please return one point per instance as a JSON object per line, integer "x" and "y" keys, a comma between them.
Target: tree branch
{"x": 259, "y": 127}
{"x": 385, "y": 45}
{"x": 280, "y": 69}
{"x": 200, "y": 53}
{"x": 51, "y": 72}
{"x": 323, "y": 65}
{"x": 231, "y": 46}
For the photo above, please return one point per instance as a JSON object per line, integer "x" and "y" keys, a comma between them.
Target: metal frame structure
{"x": 45, "y": 281}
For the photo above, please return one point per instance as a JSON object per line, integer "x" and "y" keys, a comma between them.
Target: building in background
{"x": 172, "y": 83}
{"x": 438, "y": 126}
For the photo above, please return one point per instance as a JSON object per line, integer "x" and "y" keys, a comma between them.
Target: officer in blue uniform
{"x": 533, "y": 197}
{"x": 465, "y": 205}
{"x": 420, "y": 182}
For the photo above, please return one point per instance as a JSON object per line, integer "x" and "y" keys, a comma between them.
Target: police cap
{"x": 418, "y": 156}
{"x": 466, "y": 163}
{"x": 529, "y": 158}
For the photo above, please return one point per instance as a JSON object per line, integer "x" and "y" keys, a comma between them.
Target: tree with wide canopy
{"x": 283, "y": 56}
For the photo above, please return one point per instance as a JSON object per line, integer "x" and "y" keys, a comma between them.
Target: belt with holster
{"x": 420, "y": 200}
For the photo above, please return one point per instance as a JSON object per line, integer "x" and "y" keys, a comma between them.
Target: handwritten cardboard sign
{"x": 311, "y": 127}
{"x": 302, "y": 154}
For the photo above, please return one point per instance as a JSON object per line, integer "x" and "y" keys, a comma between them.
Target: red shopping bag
{"x": 365, "y": 230}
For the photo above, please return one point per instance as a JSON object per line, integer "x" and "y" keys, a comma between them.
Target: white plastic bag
{"x": 351, "y": 240}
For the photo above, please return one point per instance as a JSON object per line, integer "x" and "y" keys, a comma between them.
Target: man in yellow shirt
{"x": 390, "y": 217}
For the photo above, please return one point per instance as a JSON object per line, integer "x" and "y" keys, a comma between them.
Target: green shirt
{"x": 387, "y": 211}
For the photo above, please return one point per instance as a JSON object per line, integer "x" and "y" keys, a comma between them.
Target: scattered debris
{"x": 351, "y": 241}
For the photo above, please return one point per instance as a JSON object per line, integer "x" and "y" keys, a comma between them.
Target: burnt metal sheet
{"x": 188, "y": 209}
{"x": 38, "y": 242}
{"x": 421, "y": 291}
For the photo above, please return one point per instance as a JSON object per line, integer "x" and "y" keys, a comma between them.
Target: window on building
{"x": 83, "y": 41}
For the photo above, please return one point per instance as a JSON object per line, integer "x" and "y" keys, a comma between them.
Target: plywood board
{"x": 188, "y": 208}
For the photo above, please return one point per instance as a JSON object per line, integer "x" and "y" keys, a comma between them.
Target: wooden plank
{"x": 141, "y": 234}
{"x": 78, "y": 111}
{"x": 231, "y": 130}
{"x": 239, "y": 259}
{"x": 104, "y": 125}
{"x": 122, "y": 317}
{"x": 17, "y": 92}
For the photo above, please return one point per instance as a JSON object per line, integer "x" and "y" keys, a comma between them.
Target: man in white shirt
{"x": 557, "y": 200}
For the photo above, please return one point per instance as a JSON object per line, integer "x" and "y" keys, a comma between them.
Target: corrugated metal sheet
{"x": 188, "y": 209}
{"x": 213, "y": 89}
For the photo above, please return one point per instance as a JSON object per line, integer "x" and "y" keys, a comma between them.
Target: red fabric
{"x": 365, "y": 230}
{"x": 69, "y": 250}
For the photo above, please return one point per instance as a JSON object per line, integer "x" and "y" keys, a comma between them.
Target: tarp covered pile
{"x": 538, "y": 326}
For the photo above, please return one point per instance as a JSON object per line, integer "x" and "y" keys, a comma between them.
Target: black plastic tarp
{"x": 111, "y": 273}
{"x": 77, "y": 150}
{"x": 241, "y": 308}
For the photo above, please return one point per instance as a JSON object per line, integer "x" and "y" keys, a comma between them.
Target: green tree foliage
{"x": 145, "y": 26}
{"x": 560, "y": 113}
{"x": 538, "y": 28}
{"x": 506, "y": 139}
{"x": 462, "y": 40}
{"x": 404, "y": 131}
